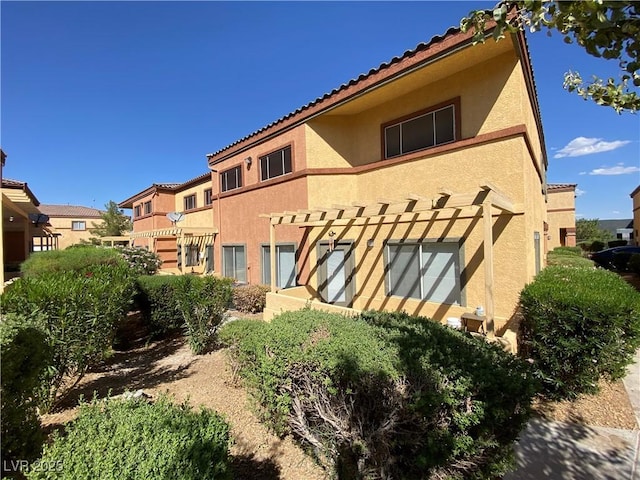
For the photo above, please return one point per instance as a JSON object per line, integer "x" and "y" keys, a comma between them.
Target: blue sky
{"x": 101, "y": 99}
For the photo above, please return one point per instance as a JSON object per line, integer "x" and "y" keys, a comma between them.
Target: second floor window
{"x": 190, "y": 202}
{"x": 78, "y": 225}
{"x": 276, "y": 164}
{"x": 231, "y": 179}
{"x": 420, "y": 132}
{"x": 137, "y": 211}
{"x": 208, "y": 196}
{"x": 147, "y": 208}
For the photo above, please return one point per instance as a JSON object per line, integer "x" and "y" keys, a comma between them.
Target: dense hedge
{"x": 250, "y": 298}
{"x": 25, "y": 356}
{"x": 158, "y": 304}
{"x": 76, "y": 259}
{"x": 385, "y": 395}
{"x": 568, "y": 256}
{"x": 133, "y": 439}
{"x": 79, "y": 312}
{"x": 202, "y": 302}
{"x": 579, "y": 325}
{"x": 140, "y": 260}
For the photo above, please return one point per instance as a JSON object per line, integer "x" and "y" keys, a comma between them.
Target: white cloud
{"x": 586, "y": 146}
{"x": 580, "y": 192}
{"x": 619, "y": 169}
{"x": 615, "y": 211}
{"x": 582, "y": 173}
{"x": 579, "y": 215}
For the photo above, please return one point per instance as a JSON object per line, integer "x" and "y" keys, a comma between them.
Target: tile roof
{"x": 165, "y": 186}
{"x": 70, "y": 211}
{"x": 558, "y": 186}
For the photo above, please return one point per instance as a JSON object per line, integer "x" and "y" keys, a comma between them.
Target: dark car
{"x": 615, "y": 258}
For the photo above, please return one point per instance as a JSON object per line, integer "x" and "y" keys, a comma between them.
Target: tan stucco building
{"x": 71, "y": 224}
{"x": 419, "y": 186}
{"x": 561, "y": 215}
{"x": 185, "y": 245}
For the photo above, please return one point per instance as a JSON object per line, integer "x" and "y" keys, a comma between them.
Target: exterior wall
{"x": 561, "y": 214}
{"x": 68, "y": 237}
{"x": 161, "y": 203}
{"x": 635, "y": 196}
{"x": 201, "y": 216}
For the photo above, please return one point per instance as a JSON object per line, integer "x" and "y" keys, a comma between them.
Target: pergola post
{"x": 272, "y": 255}
{"x": 182, "y": 249}
{"x": 488, "y": 263}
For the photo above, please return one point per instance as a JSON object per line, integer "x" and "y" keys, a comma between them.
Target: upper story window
{"x": 137, "y": 211}
{"x": 78, "y": 225}
{"x": 147, "y": 207}
{"x": 420, "y": 131}
{"x": 276, "y": 164}
{"x": 231, "y": 179}
{"x": 190, "y": 202}
{"x": 208, "y": 196}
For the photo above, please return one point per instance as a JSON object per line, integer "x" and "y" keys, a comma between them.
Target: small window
{"x": 147, "y": 208}
{"x": 78, "y": 225}
{"x": 420, "y": 132}
{"x": 276, "y": 164}
{"x": 234, "y": 262}
{"x": 285, "y": 265}
{"x": 208, "y": 196}
{"x": 231, "y": 179}
{"x": 192, "y": 256}
{"x": 136, "y": 211}
{"x": 427, "y": 271}
{"x": 190, "y": 202}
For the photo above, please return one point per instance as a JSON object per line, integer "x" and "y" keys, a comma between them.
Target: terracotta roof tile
{"x": 70, "y": 211}
{"x": 558, "y": 186}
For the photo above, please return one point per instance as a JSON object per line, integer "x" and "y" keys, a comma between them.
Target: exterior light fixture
{"x": 248, "y": 161}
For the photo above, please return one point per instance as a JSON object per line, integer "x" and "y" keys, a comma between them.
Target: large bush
{"x": 385, "y": 395}
{"x": 76, "y": 259}
{"x": 202, "y": 302}
{"x": 158, "y": 302}
{"x": 634, "y": 263}
{"x": 133, "y": 439}
{"x": 140, "y": 260}
{"x": 569, "y": 256}
{"x": 25, "y": 357}
{"x": 250, "y": 298}
{"x": 79, "y": 313}
{"x": 579, "y": 325}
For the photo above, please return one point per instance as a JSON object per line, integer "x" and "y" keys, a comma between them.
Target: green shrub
{"x": 135, "y": 439}
{"x": 69, "y": 260}
{"x": 25, "y": 357}
{"x": 250, "y": 298}
{"x": 634, "y": 263}
{"x": 579, "y": 325}
{"x": 140, "y": 260}
{"x": 202, "y": 302}
{"x": 385, "y": 395}
{"x": 596, "y": 246}
{"x": 158, "y": 302}
{"x": 568, "y": 256}
{"x": 79, "y": 313}
{"x": 575, "y": 251}
{"x": 616, "y": 243}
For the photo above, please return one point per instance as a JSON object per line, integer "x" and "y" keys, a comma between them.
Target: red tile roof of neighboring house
{"x": 422, "y": 53}
{"x": 164, "y": 186}
{"x": 70, "y": 211}
{"x": 17, "y": 184}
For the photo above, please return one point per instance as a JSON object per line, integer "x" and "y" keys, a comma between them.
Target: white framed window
{"x": 285, "y": 265}
{"x": 137, "y": 211}
{"x": 231, "y": 179}
{"x": 234, "y": 262}
{"x": 208, "y": 196}
{"x": 78, "y": 225}
{"x": 147, "y": 207}
{"x": 428, "y": 271}
{"x": 276, "y": 164}
{"x": 422, "y": 131}
{"x": 191, "y": 256}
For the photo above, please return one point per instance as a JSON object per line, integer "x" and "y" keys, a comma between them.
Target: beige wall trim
{"x": 552, "y": 210}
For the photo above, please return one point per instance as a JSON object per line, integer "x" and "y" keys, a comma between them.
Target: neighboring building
{"x": 22, "y": 222}
{"x": 70, "y": 223}
{"x": 418, "y": 186}
{"x": 635, "y": 196}
{"x": 561, "y": 215}
{"x": 185, "y": 245}
{"x": 620, "y": 229}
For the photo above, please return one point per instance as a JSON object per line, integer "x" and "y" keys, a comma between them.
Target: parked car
{"x": 615, "y": 258}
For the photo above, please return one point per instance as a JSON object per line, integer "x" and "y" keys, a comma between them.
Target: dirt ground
{"x": 168, "y": 366}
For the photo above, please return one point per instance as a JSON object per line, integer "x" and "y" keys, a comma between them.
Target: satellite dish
{"x": 175, "y": 217}
{"x": 38, "y": 218}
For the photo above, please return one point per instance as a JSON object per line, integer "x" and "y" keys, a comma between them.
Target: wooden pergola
{"x": 446, "y": 204}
